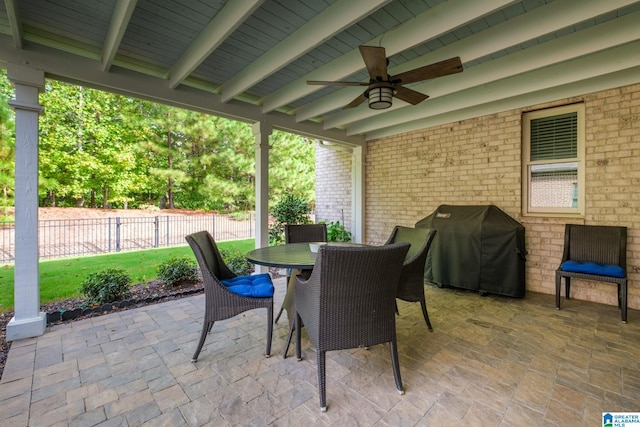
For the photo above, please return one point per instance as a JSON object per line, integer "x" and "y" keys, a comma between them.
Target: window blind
{"x": 554, "y": 137}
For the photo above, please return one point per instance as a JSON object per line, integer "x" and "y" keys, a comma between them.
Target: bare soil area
{"x": 84, "y": 213}
{"x": 141, "y": 294}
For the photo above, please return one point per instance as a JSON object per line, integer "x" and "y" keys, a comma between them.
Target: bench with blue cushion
{"x": 595, "y": 268}
{"x": 594, "y": 252}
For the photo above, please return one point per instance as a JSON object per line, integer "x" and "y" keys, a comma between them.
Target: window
{"x": 553, "y": 161}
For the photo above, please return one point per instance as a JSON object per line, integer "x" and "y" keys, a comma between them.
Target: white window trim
{"x": 527, "y": 210}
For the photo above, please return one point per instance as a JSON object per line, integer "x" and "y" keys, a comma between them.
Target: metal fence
{"x": 73, "y": 237}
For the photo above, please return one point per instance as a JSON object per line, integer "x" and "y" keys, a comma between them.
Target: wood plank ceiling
{"x": 250, "y": 59}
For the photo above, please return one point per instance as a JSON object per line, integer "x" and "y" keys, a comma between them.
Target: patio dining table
{"x": 292, "y": 255}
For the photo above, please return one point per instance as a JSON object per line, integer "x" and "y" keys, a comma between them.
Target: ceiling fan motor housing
{"x": 380, "y": 95}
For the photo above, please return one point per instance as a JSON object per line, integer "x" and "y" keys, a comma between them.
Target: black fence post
{"x": 156, "y": 223}
{"x": 109, "y": 231}
{"x": 117, "y": 234}
{"x": 168, "y": 231}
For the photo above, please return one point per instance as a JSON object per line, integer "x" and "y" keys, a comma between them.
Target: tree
{"x": 85, "y": 151}
{"x": 226, "y": 164}
{"x": 7, "y": 144}
{"x": 289, "y": 210}
{"x": 162, "y": 129}
{"x": 102, "y": 149}
{"x": 292, "y": 166}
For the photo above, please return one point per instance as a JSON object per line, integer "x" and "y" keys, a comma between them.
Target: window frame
{"x": 527, "y": 163}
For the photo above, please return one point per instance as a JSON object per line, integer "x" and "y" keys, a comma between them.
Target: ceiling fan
{"x": 382, "y": 87}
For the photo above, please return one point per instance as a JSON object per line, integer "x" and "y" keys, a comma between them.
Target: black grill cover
{"x": 478, "y": 248}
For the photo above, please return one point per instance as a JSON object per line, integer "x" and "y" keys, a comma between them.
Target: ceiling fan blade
{"x": 376, "y": 61}
{"x": 409, "y": 95}
{"x": 439, "y": 69}
{"x": 359, "y": 100}
{"x": 320, "y": 82}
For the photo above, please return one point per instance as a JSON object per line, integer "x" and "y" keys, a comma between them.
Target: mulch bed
{"x": 72, "y": 309}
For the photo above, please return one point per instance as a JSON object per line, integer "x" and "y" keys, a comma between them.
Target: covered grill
{"x": 478, "y": 248}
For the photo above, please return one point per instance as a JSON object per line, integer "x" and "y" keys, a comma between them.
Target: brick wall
{"x": 333, "y": 174}
{"x": 478, "y": 161}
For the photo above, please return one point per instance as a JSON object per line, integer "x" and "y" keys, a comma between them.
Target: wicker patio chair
{"x": 227, "y": 294}
{"x": 300, "y": 233}
{"x": 594, "y": 252}
{"x": 348, "y": 302}
{"x": 411, "y": 287}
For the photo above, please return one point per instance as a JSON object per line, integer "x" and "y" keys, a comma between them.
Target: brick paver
{"x": 490, "y": 359}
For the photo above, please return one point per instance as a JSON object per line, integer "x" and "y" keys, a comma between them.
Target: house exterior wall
{"x": 333, "y": 200}
{"x": 478, "y": 161}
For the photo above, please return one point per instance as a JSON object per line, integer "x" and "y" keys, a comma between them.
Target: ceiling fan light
{"x": 380, "y": 98}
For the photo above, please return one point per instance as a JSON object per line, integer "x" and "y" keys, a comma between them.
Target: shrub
{"x": 237, "y": 262}
{"x": 337, "y": 233}
{"x": 106, "y": 286}
{"x": 289, "y": 210}
{"x": 177, "y": 270}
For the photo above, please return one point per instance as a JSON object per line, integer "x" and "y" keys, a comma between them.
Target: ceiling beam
{"x": 529, "y": 26}
{"x": 428, "y": 25}
{"x": 228, "y": 19}
{"x": 83, "y": 71}
{"x": 15, "y": 23}
{"x": 580, "y": 69}
{"x": 574, "y": 89}
{"x": 328, "y": 23}
{"x": 592, "y": 28}
{"x": 118, "y": 25}
{"x": 574, "y": 45}
{"x": 39, "y": 36}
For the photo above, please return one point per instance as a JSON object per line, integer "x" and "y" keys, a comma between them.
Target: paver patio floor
{"x": 490, "y": 361}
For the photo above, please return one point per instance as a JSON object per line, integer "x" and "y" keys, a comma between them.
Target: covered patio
{"x": 252, "y": 61}
{"x": 490, "y": 361}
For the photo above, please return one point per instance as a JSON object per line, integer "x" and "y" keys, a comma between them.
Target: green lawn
{"x": 60, "y": 279}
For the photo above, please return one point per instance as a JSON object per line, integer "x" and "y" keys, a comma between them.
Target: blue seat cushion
{"x": 609, "y": 270}
{"x": 255, "y": 285}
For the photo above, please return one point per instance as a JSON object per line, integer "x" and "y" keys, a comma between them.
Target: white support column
{"x": 262, "y": 130}
{"x": 28, "y": 320}
{"x": 357, "y": 193}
